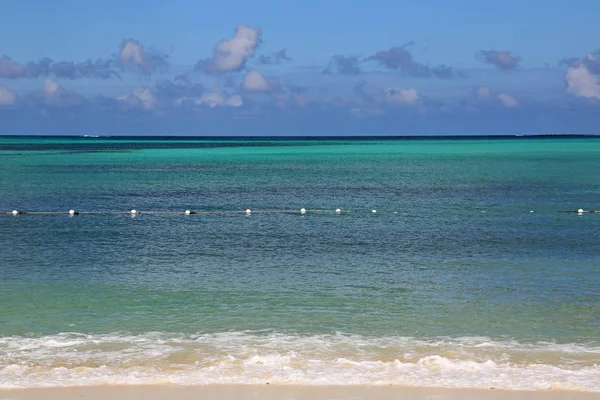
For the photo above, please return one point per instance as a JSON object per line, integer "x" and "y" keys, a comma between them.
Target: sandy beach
{"x": 279, "y": 392}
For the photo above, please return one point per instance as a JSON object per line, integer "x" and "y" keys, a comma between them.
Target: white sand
{"x": 280, "y": 392}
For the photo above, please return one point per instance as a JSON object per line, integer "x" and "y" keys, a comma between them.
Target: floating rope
{"x": 302, "y": 211}
{"x": 186, "y": 212}
{"x": 580, "y": 211}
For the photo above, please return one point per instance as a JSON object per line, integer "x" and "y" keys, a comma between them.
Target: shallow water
{"x": 453, "y": 282}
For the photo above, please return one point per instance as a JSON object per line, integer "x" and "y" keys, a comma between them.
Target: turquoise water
{"x": 453, "y": 282}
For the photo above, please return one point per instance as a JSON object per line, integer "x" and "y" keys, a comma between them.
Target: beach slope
{"x": 280, "y": 392}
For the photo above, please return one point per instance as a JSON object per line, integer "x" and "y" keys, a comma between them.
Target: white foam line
{"x": 71, "y": 359}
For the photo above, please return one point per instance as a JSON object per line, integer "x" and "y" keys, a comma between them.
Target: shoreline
{"x": 281, "y": 392}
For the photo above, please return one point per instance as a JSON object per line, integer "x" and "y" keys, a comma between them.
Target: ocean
{"x": 467, "y": 275}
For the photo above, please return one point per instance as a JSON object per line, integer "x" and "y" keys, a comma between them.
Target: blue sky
{"x": 300, "y": 68}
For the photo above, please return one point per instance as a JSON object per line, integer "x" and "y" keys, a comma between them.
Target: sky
{"x": 184, "y": 67}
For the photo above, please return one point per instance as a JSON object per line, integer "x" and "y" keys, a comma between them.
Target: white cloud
{"x": 216, "y": 98}
{"x": 504, "y": 60}
{"x": 52, "y": 94}
{"x": 401, "y": 96}
{"x": 141, "y": 97}
{"x": 581, "y": 82}
{"x": 49, "y": 87}
{"x": 508, "y": 101}
{"x": 99, "y": 68}
{"x": 211, "y": 99}
{"x": 131, "y": 52}
{"x": 10, "y": 69}
{"x": 7, "y": 96}
{"x": 232, "y": 55}
{"x": 486, "y": 95}
{"x": 369, "y": 94}
{"x": 133, "y": 55}
{"x": 145, "y": 96}
{"x": 234, "y": 101}
{"x": 254, "y": 81}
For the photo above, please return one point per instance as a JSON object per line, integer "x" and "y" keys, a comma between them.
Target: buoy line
{"x": 248, "y": 211}
{"x": 134, "y": 212}
{"x": 580, "y": 211}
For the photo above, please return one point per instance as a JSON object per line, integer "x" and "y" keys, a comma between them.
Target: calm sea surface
{"x": 466, "y": 276}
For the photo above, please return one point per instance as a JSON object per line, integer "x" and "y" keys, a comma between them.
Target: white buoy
{"x": 15, "y": 212}
{"x": 133, "y": 212}
{"x": 303, "y": 211}
{"x": 248, "y": 211}
{"x": 187, "y": 212}
{"x": 71, "y": 212}
{"x": 580, "y": 211}
{"x": 373, "y": 211}
{"x": 337, "y": 210}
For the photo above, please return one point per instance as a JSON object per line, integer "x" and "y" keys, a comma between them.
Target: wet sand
{"x": 281, "y": 392}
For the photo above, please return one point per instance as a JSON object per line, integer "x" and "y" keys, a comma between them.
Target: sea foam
{"x": 72, "y": 359}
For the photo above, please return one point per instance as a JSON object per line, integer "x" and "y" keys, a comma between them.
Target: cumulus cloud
{"x": 10, "y": 69}
{"x": 399, "y": 58}
{"x": 504, "y": 60}
{"x": 274, "y": 58}
{"x": 49, "y": 87}
{"x": 368, "y": 93}
{"x": 507, "y": 101}
{"x": 395, "y": 95}
{"x": 581, "y": 82}
{"x": 345, "y": 65}
{"x": 591, "y": 61}
{"x": 485, "y": 95}
{"x": 132, "y": 55}
{"x": 254, "y": 81}
{"x": 232, "y": 55}
{"x": 53, "y": 95}
{"x": 217, "y": 98}
{"x": 7, "y": 96}
{"x": 101, "y": 69}
{"x": 181, "y": 91}
{"x": 583, "y": 76}
{"x": 140, "y": 97}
